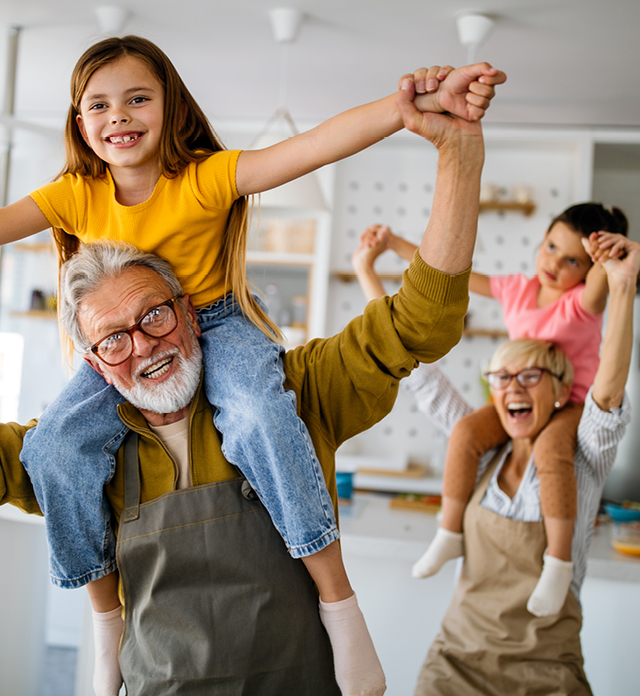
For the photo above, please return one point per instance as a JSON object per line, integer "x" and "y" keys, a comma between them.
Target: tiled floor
{"x": 59, "y": 671}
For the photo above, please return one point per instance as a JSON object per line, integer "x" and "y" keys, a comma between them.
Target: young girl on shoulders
{"x": 563, "y": 303}
{"x": 144, "y": 167}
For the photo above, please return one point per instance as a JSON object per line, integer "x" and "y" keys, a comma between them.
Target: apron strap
{"x": 131, "y": 509}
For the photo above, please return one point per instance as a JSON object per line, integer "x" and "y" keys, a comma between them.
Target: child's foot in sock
{"x": 445, "y": 546}
{"x": 107, "y": 631}
{"x": 548, "y": 597}
{"x": 358, "y": 669}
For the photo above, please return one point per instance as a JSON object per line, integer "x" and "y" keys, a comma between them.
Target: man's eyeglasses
{"x": 158, "y": 322}
{"x": 527, "y": 378}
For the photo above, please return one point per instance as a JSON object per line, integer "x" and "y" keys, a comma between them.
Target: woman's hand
{"x": 619, "y": 256}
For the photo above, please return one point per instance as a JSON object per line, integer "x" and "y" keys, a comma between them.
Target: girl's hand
{"x": 373, "y": 241}
{"x": 427, "y": 80}
{"x": 466, "y": 92}
{"x": 438, "y": 128}
{"x": 614, "y": 244}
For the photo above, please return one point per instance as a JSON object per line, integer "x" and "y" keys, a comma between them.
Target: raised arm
{"x": 21, "y": 219}
{"x": 450, "y": 236}
{"x": 615, "y": 357}
{"x": 359, "y": 128}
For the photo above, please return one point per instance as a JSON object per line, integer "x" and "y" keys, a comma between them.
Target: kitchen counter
{"x": 380, "y": 544}
{"x": 369, "y": 526}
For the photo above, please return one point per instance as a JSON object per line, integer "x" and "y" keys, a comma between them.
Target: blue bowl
{"x": 344, "y": 483}
{"x": 622, "y": 514}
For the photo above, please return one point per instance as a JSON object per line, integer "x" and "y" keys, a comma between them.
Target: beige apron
{"x": 489, "y": 643}
{"x": 214, "y": 604}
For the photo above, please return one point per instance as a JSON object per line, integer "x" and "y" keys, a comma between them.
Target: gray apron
{"x": 214, "y": 604}
{"x": 489, "y": 643}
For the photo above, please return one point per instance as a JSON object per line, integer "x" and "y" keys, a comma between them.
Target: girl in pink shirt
{"x": 563, "y": 303}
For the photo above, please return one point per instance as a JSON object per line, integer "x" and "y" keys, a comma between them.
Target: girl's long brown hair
{"x": 186, "y": 137}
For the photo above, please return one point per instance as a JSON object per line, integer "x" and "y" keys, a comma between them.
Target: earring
{"x": 557, "y": 404}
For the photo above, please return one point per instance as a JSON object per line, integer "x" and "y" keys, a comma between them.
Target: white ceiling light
{"x": 111, "y": 18}
{"x": 304, "y": 192}
{"x": 473, "y": 30}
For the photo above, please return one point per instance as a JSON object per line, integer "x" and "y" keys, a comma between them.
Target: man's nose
{"x": 143, "y": 344}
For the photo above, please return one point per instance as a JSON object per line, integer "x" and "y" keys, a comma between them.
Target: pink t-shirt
{"x": 565, "y": 322}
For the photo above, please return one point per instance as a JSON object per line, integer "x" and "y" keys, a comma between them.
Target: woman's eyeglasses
{"x": 158, "y": 322}
{"x": 527, "y": 378}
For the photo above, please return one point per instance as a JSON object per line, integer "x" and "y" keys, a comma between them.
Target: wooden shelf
{"x": 268, "y": 258}
{"x": 485, "y": 333}
{"x": 37, "y": 314}
{"x": 526, "y": 209}
{"x": 348, "y": 276}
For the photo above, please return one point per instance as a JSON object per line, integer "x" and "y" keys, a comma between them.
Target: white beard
{"x": 172, "y": 394}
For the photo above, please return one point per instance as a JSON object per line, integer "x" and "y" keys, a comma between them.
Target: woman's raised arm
{"x": 615, "y": 357}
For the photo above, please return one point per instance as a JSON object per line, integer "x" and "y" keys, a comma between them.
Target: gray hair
{"x": 93, "y": 264}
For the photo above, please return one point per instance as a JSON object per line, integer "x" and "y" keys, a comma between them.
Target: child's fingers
{"x": 589, "y": 247}
{"x": 406, "y": 76}
{"x": 433, "y": 81}
{"x": 444, "y": 71}
{"x": 420, "y": 80}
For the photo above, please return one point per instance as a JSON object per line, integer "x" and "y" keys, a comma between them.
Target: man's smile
{"x": 158, "y": 369}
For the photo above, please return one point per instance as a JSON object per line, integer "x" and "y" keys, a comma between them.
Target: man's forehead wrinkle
{"x": 119, "y": 302}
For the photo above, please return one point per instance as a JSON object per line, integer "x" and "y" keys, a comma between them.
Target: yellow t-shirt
{"x": 183, "y": 221}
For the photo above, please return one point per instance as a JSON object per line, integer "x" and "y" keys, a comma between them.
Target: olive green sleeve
{"x": 15, "y": 484}
{"x": 348, "y": 382}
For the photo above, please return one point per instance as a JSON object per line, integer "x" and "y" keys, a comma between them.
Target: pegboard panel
{"x": 393, "y": 183}
{"x": 386, "y": 184}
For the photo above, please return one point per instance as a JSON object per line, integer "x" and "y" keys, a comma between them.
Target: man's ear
{"x": 190, "y": 311}
{"x": 95, "y": 364}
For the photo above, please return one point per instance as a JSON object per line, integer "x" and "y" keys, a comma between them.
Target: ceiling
{"x": 569, "y": 62}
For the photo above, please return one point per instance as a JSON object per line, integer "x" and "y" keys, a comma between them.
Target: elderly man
{"x": 213, "y": 603}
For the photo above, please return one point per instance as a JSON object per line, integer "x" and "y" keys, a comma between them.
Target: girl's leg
{"x": 107, "y": 632}
{"x": 264, "y": 437}
{"x": 261, "y": 431}
{"x": 69, "y": 457}
{"x": 471, "y": 437}
{"x": 554, "y": 456}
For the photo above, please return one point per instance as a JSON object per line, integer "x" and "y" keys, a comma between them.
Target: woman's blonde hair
{"x": 186, "y": 137}
{"x": 533, "y": 352}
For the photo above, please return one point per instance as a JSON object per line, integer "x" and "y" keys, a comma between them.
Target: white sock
{"x": 358, "y": 669}
{"x": 548, "y": 597}
{"x": 107, "y": 631}
{"x": 445, "y": 546}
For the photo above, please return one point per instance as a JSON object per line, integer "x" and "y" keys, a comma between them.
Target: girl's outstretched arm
{"x": 359, "y": 128}
{"x": 480, "y": 284}
{"x": 21, "y": 219}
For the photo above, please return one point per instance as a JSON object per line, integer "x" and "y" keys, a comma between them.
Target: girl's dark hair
{"x": 585, "y": 218}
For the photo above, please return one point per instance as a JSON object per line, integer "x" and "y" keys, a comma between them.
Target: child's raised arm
{"x": 600, "y": 246}
{"x": 359, "y": 128}
{"x": 21, "y": 219}
{"x": 371, "y": 245}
